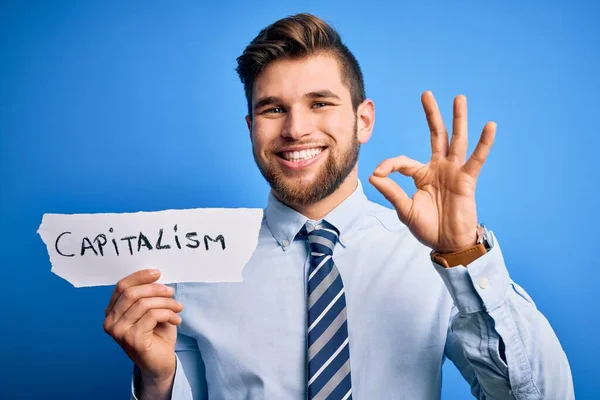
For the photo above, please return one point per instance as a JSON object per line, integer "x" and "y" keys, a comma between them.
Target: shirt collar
{"x": 285, "y": 223}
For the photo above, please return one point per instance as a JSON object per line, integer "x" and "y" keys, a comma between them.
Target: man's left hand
{"x": 442, "y": 213}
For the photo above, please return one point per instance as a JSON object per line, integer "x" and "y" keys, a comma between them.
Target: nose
{"x": 297, "y": 124}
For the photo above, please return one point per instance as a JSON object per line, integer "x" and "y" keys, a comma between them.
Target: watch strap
{"x": 463, "y": 257}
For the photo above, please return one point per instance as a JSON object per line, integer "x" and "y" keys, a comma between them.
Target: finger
{"x": 475, "y": 162}
{"x": 152, "y": 318}
{"x": 458, "y": 143}
{"x": 406, "y": 166}
{"x": 133, "y": 294}
{"x": 142, "y": 306}
{"x": 394, "y": 194}
{"x": 147, "y": 324}
{"x": 439, "y": 135}
{"x": 137, "y": 278}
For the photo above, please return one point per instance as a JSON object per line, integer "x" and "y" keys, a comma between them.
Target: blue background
{"x": 109, "y": 107}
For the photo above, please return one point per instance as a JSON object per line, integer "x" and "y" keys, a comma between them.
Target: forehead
{"x": 290, "y": 79}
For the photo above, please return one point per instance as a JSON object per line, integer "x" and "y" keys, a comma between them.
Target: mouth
{"x": 297, "y": 159}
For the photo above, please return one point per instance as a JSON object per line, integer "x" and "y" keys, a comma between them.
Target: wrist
{"x": 466, "y": 255}
{"x": 455, "y": 244}
{"x": 156, "y": 388}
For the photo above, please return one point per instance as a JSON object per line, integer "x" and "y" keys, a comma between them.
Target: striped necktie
{"x": 328, "y": 347}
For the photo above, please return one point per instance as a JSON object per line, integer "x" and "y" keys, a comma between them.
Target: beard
{"x": 296, "y": 192}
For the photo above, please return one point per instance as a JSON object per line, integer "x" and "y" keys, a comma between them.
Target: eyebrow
{"x": 320, "y": 94}
{"x": 265, "y": 101}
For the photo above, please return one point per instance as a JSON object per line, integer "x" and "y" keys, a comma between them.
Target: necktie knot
{"x": 322, "y": 238}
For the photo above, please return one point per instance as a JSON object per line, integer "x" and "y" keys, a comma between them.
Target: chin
{"x": 303, "y": 187}
{"x": 295, "y": 187}
{"x": 302, "y": 179}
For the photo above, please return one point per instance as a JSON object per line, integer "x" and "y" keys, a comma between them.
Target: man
{"x": 343, "y": 298}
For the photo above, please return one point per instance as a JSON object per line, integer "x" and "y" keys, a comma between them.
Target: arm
{"x": 189, "y": 381}
{"x": 510, "y": 348}
{"x": 500, "y": 342}
{"x": 142, "y": 317}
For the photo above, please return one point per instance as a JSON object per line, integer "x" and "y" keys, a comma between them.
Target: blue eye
{"x": 319, "y": 105}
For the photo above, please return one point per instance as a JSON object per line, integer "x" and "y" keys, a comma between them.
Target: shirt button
{"x": 342, "y": 240}
{"x": 483, "y": 282}
{"x": 286, "y": 243}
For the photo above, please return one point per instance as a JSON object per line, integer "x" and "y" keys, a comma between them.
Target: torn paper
{"x": 196, "y": 245}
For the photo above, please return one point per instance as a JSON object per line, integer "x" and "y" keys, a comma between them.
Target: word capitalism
{"x": 100, "y": 241}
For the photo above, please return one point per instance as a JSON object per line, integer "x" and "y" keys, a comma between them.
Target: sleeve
{"x": 190, "y": 379}
{"x": 501, "y": 343}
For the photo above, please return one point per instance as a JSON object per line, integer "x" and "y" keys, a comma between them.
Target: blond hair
{"x": 294, "y": 37}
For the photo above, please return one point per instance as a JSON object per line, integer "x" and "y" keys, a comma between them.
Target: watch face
{"x": 488, "y": 238}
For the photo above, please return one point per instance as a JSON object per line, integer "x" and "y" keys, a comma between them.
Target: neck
{"x": 317, "y": 211}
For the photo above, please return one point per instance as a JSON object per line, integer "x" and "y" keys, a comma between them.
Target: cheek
{"x": 264, "y": 137}
{"x": 340, "y": 127}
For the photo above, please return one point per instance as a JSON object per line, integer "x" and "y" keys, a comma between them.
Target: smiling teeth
{"x": 297, "y": 156}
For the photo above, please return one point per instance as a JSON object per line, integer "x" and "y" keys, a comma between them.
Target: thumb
{"x": 394, "y": 194}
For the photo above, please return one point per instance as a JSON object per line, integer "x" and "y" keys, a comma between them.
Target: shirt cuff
{"x": 482, "y": 286}
{"x": 181, "y": 388}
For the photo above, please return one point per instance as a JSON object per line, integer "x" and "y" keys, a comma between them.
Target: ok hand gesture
{"x": 442, "y": 213}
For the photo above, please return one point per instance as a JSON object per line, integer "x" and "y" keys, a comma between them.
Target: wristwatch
{"x": 485, "y": 242}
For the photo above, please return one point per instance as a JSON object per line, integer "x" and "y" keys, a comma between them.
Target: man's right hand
{"x": 142, "y": 317}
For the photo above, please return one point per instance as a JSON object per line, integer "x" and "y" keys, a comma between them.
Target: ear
{"x": 249, "y": 123}
{"x": 365, "y": 119}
